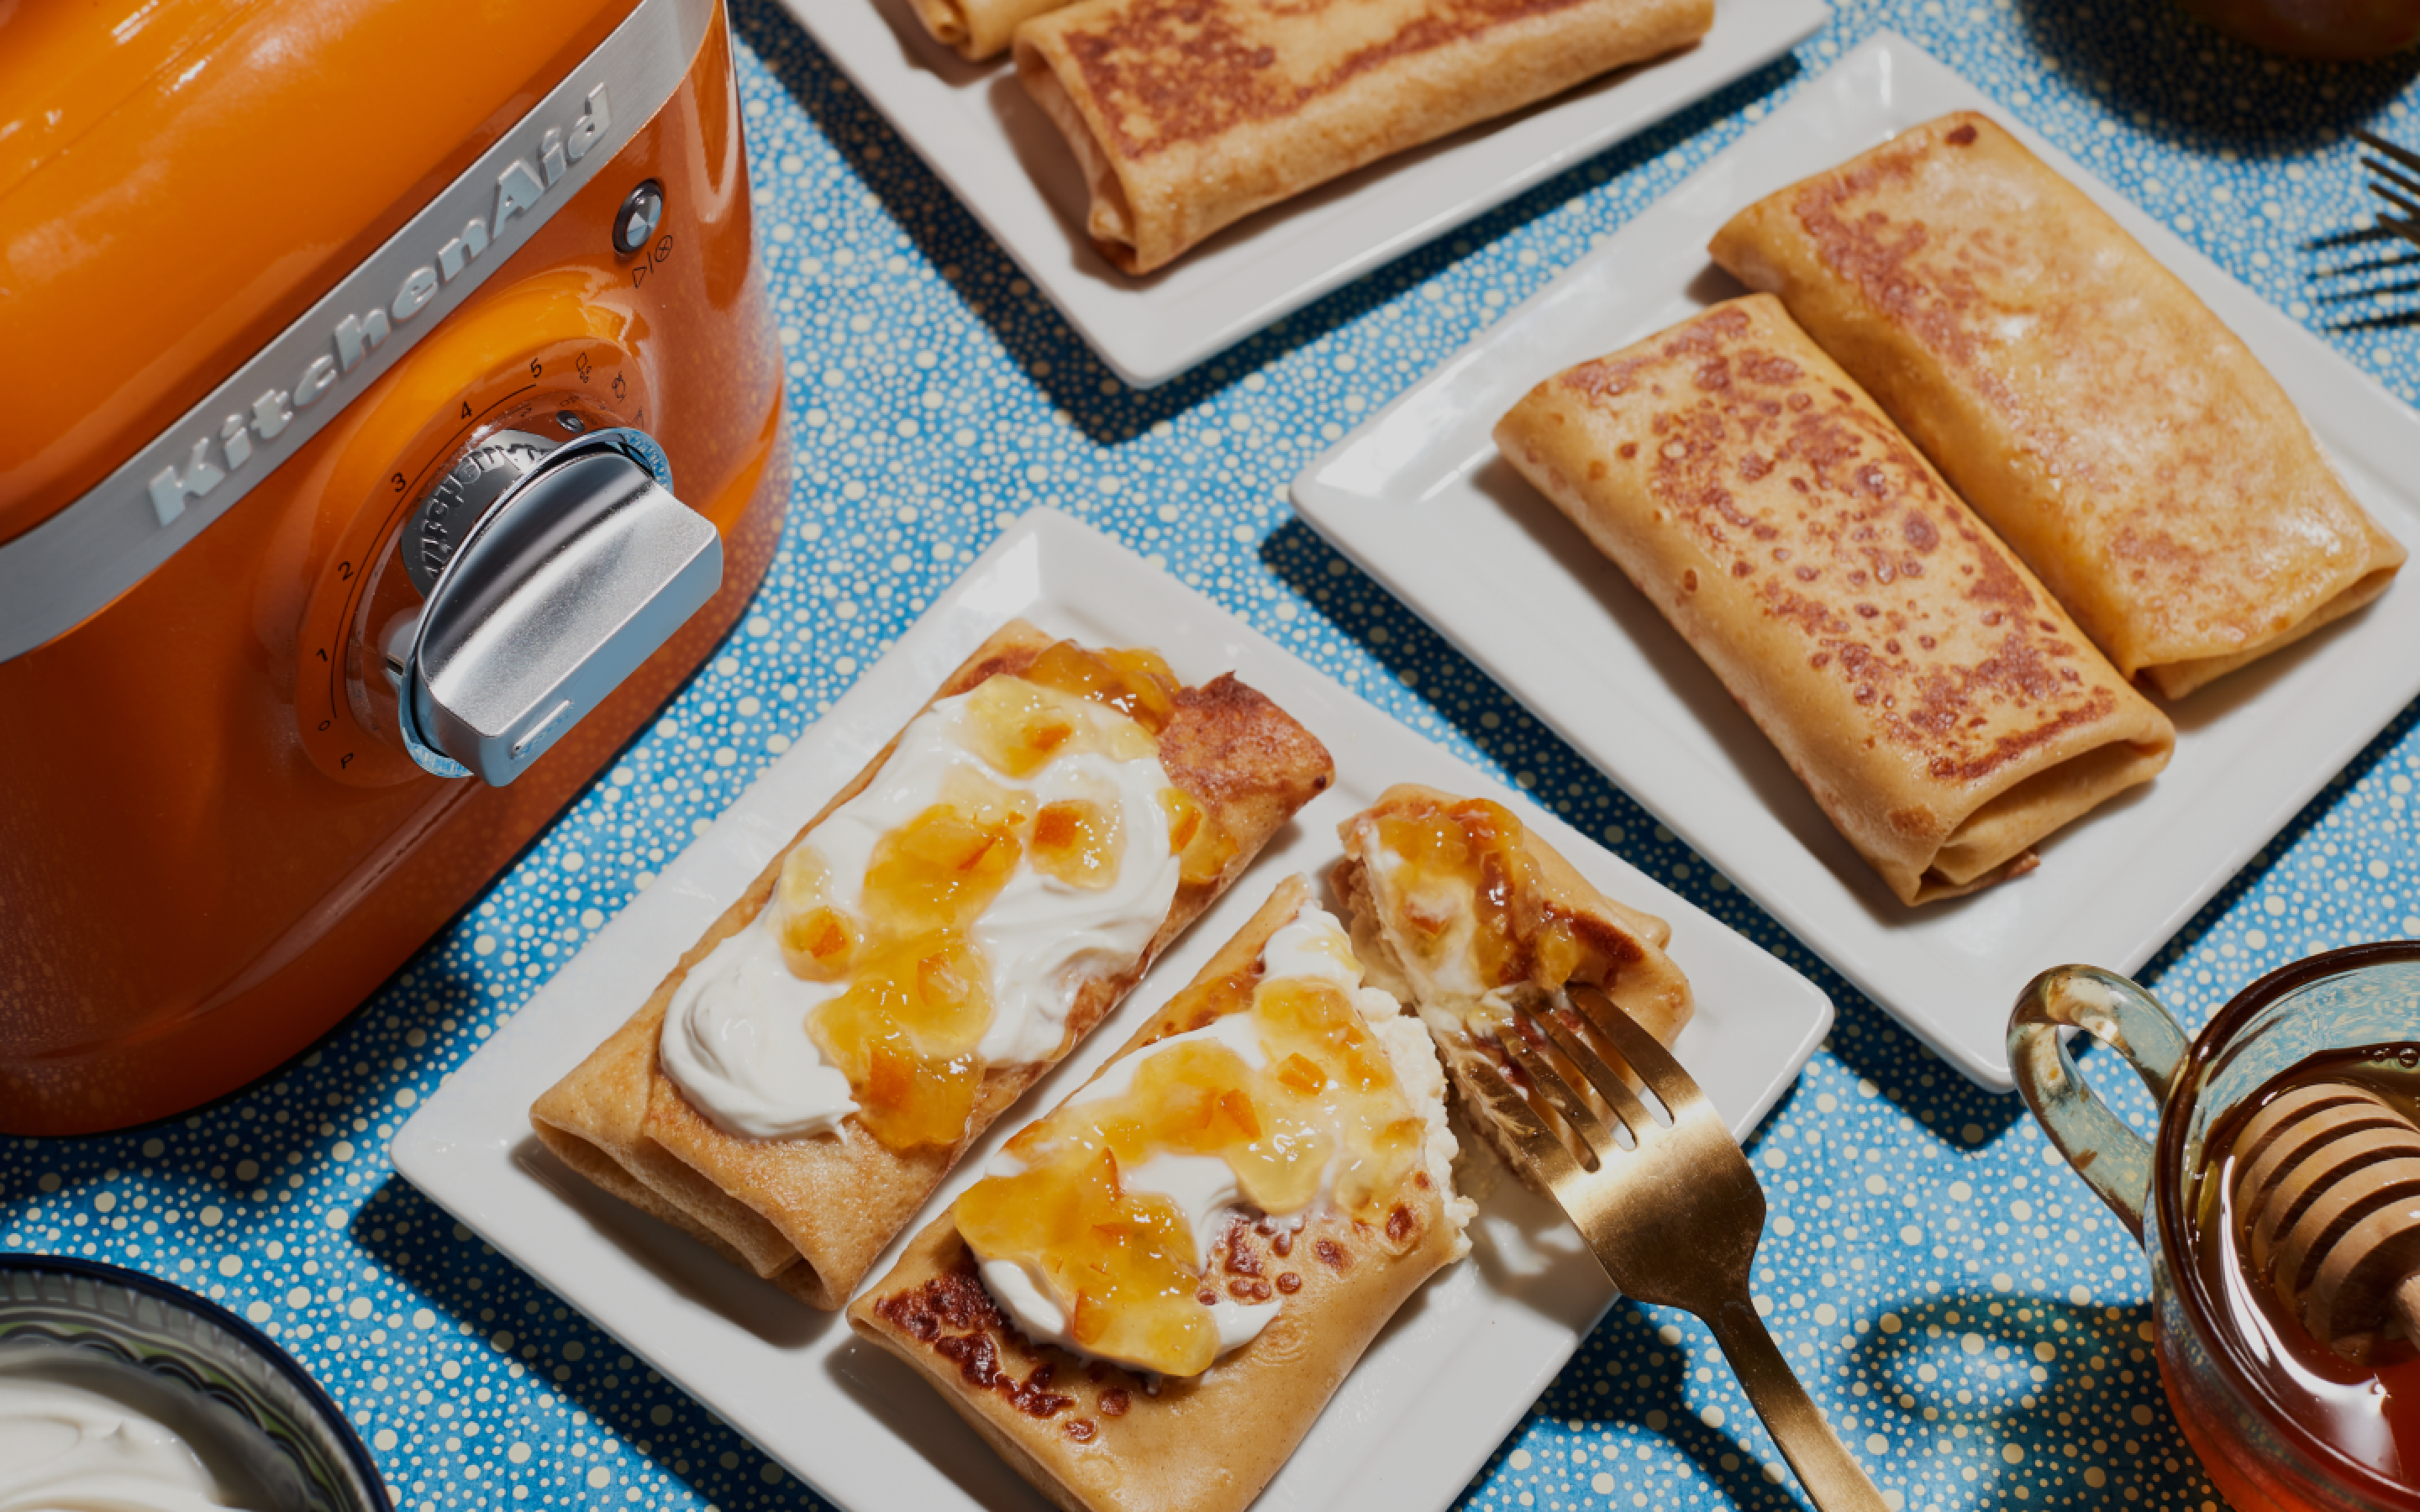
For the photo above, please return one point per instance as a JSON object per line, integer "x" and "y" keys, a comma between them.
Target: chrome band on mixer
{"x": 67, "y": 568}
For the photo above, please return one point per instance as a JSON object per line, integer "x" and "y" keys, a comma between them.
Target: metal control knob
{"x": 461, "y": 498}
{"x": 552, "y": 572}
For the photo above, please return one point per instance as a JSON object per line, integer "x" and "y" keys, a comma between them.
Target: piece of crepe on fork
{"x": 981, "y": 895}
{"x": 2108, "y": 425}
{"x": 1940, "y": 707}
{"x": 1468, "y": 915}
{"x": 1190, "y": 115}
{"x": 1147, "y": 1301}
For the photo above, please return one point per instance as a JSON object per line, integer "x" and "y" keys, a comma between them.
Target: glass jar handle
{"x": 2114, "y": 1160}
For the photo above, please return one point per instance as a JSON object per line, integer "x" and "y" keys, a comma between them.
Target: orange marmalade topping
{"x": 906, "y": 1027}
{"x": 1137, "y": 684}
{"x": 919, "y": 996}
{"x": 1199, "y": 842}
{"x": 1077, "y": 841}
{"x": 1321, "y": 1111}
{"x": 1466, "y": 863}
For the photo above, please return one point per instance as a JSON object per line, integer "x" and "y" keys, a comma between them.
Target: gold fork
{"x": 2395, "y": 178}
{"x": 2388, "y": 182}
{"x": 1673, "y": 1216}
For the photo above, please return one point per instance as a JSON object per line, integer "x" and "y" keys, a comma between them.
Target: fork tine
{"x": 1602, "y": 1079}
{"x": 2406, "y": 225}
{"x": 2384, "y": 172}
{"x": 1513, "y": 1117}
{"x": 2379, "y": 292}
{"x": 2400, "y": 201}
{"x": 2375, "y": 265}
{"x": 1658, "y": 1070}
{"x": 1574, "y": 1112}
{"x": 1566, "y": 1104}
{"x": 2346, "y": 239}
{"x": 2379, "y": 143}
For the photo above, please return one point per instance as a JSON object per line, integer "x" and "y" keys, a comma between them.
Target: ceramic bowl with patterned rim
{"x": 251, "y": 1397}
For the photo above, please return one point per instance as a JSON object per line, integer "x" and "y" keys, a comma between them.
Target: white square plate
{"x": 1444, "y": 1384}
{"x": 1420, "y": 499}
{"x": 984, "y": 137}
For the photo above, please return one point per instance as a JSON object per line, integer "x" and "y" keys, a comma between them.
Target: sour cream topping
{"x": 734, "y": 1038}
{"x": 68, "y": 1448}
{"x": 1445, "y": 967}
{"x": 1311, "y": 945}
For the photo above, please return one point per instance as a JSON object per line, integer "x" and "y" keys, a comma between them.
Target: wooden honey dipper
{"x": 2327, "y": 1203}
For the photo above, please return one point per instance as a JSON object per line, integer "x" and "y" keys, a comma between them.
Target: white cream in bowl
{"x": 81, "y": 1433}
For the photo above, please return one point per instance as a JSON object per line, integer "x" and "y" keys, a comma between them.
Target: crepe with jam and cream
{"x": 2109, "y": 427}
{"x": 1941, "y": 707}
{"x": 1155, "y": 1287}
{"x": 1187, "y": 116}
{"x": 939, "y": 937}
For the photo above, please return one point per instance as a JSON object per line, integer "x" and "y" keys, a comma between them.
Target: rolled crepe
{"x": 1190, "y": 115}
{"x": 810, "y": 1213}
{"x": 1942, "y": 708}
{"x": 2106, "y": 423}
{"x": 1097, "y": 1437}
{"x": 978, "y": 28}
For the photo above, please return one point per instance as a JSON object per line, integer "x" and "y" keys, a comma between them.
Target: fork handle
{"x": 1833, "y": 1481}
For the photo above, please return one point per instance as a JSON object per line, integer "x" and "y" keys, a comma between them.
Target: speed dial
{"x": 548, "y": 573}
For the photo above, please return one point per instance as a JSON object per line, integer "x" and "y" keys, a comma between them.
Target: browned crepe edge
{"x": 945, "y": 22}
{"x": 601, "y": 1170}
{"x": 1510, "y": 65}
{"x": 579, "y": 1118}
{"x": 1209, "y": 1443}
{"x": 1903, "y": 858}
{"x": 2175, "y": 679}
{"x": 2007, "y": 829}
{"x": 978, "y": 29}
{"x": 1109, "y": 219}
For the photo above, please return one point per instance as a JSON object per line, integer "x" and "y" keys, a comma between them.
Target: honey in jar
{"x": 2369, "y": 1413}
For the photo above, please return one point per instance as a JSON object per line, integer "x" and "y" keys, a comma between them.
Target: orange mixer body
{"x": 210, "y": 850}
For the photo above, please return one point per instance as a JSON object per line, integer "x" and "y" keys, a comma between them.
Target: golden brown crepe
{"x": 1095, "y": 1437}
{"x": 810, "y": 1213}
{"x": 978, "y": 28}
{"x": 1190, "y": 115}
{"x": 1939, "y": 704}
{"x": 2106, "y": 423}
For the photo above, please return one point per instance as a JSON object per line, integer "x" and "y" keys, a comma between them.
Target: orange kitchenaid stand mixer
{"x": 213, "y": 841}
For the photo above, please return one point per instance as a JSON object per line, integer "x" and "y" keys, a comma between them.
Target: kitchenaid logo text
{"x": 519, "y": 191}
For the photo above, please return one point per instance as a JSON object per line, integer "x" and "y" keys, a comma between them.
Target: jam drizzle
{"x": 906, "y": 1028}
{"x": 1324, "y": 1108}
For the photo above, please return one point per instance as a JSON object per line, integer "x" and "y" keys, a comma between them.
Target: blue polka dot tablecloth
{"x": 1969, "y": 1317}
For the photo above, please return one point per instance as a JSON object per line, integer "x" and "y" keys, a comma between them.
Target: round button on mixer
{"x": 638, "y": 218}
{"x": 550, "y": 573}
